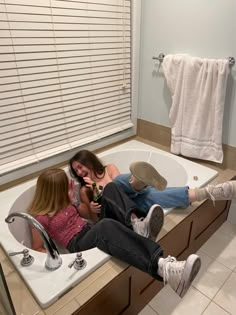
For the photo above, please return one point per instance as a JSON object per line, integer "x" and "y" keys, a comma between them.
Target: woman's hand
{"x": 95, "y": 207}
{"x": 88, "y": 181}
{"x": 71, "y": 191}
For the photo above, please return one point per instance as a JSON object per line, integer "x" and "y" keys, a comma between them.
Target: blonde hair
{"x": 51, "y": 193}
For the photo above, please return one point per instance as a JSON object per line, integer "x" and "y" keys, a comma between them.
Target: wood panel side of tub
{"x": 133, "y": 289}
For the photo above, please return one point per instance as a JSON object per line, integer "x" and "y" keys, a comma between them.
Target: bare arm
{"x": 112, "y": 171}
{"x": 37, "y": 242}
{"x": 88, "y": 209}
{"x": 82, "y": 206}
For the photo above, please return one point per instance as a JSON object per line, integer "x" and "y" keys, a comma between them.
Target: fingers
{"x": 95, "y": 207}
{"x": 72, "y": 184}
{"x": 71, "y": 190}
{"x": 88, "y": 180}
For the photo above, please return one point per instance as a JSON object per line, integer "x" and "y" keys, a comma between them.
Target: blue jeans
{"x": 171, "y": 197}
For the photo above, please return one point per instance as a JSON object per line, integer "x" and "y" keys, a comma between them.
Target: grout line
{"x": 221, "y": 307}
{"x": 153, "y": 309}
{"x": 210, "y": 301}
{"x": 222, "y": 284}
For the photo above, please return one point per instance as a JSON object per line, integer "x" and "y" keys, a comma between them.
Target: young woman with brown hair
{"x": 144, "y": 185}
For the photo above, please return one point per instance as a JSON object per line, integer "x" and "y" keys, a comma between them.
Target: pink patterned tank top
{"x": 62, "y": 226}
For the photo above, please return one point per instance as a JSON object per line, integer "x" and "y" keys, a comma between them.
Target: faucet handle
{"x": 27, "y": 259}
{"x": 78, "y": 263}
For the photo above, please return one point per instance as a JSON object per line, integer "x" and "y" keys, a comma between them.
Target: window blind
{"x": 65, "y": 76}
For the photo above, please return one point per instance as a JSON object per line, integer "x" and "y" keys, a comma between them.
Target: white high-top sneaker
{"x": 179, "y": 274}
{"x": 223, "y": 191}
{"x": 151, "y": 225}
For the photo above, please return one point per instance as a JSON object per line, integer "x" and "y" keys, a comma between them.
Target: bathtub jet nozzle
{"x": 53, "y": 260}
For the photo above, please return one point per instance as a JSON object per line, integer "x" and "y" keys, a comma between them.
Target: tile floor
{"x": 213, "y": 292}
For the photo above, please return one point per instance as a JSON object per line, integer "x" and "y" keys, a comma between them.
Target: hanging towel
{"x": 198, "y": 88}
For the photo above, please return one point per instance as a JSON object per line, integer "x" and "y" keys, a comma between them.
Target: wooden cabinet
{"x": 133, "y": 289}
{"x": 206, "y": 216}
{"x": 177, "y": 240}
{"x": 112, "y": 299}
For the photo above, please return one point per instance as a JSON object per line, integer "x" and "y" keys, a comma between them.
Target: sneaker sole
{"x": 148, "y": 175}
{"x": 191, "y": 269}
{"x": 156, "y": 222}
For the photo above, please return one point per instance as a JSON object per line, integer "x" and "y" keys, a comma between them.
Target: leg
{"x": 171, "y": 197}
{"x": 123, "y": 181}
{"x": 118, "y": 206}
{"x": 117, "y": 240}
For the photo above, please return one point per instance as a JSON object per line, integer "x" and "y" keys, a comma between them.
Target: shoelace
{"x": 211, "y": 196}
{"x": 216, "y": 189}
{"x": 140, "y": 227}
{"x": 139, "y": 219}
{"x": 167, "y": 267}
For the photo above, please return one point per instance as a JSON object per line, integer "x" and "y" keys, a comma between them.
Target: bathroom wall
{"x": 203, "y": 28}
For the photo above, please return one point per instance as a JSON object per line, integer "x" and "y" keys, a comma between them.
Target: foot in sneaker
{"x": 179, "y": 274}
{"x": 144, "y": 174}
{"x": 151, "y": 225}
{"x": 224, "y": 191}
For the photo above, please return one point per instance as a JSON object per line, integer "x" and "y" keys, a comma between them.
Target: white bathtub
{"x": 48, "y": 286}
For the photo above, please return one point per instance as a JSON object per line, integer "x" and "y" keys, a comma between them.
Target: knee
{"x": 122, "y": 178}
{"x": 105, "y": 221}
{"x": 110, "y": 187}
{"x": 107, "y": 225}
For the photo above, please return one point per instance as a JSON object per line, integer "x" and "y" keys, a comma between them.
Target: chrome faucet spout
{"x": 53, "y": 260}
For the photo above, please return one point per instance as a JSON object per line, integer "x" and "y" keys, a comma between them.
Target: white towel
{"x": 198, "y": 88}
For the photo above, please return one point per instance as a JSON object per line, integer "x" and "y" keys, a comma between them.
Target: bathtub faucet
{"x": 53, "y": 260}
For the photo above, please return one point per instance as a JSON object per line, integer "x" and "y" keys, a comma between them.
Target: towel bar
{"x": 161, "y": 57}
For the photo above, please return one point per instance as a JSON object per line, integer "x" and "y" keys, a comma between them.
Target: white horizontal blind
{"x": 65, "y": 76}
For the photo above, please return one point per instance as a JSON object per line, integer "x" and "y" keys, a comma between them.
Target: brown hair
{"x": 51, "y": 193}
{"x": 91, "y": 161}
